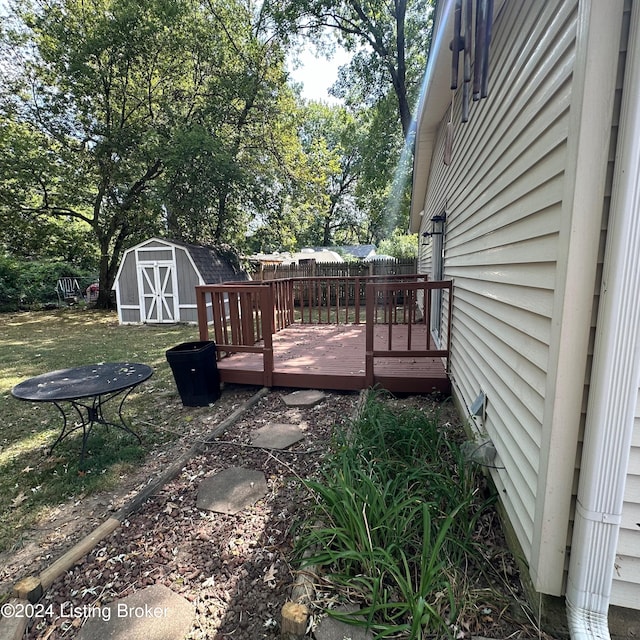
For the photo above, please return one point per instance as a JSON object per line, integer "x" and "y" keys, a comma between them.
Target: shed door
{"x": 158, "y": 291}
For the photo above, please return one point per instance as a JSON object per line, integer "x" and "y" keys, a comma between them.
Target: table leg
{"x": 64, "y": 433}
{"x": 90, "y": 413}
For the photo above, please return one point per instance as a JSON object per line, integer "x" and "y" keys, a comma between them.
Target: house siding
{"x": 503, "y": 194}
{"x": 625, "y": 590}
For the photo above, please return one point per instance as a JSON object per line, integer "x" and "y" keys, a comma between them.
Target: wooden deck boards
{"x": 333, "y": 357}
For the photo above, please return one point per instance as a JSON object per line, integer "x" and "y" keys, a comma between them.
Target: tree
{"x": 381, "y": 85}
{"x": 331, "y": 140}
{"x": 400, "y": 245}
{"x": 390, "y": 41}
{"x": 243, "y": 148}
{"x": 99, "y": 76}
{"x": 127, "y": 116}
{"x": 318, "y": 207}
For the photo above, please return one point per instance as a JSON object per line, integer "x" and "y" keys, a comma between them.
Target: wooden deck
{"x": 327, "y": 333}
{"x": 333, "y": 357}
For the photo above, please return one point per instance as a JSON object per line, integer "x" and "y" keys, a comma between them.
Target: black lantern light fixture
{"x": 441, "y": 217}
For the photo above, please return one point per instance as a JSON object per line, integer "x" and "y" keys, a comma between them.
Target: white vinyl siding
{"x": 503, "y": 193}
{"x": 626, "y": 582}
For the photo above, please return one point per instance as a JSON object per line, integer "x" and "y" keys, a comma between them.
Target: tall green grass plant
{"x": 395, "y": 511}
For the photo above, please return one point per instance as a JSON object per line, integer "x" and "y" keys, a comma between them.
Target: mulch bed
{"x": 235, "y": 569}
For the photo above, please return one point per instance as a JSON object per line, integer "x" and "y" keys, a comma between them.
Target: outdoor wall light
{"x": 429, "y": 234}
{"x": 441, "y": 217}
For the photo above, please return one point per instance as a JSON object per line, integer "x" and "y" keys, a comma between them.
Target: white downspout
{"x": 614, "y": 382}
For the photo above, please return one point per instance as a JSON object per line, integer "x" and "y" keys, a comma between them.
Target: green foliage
{"x": 391, "y": 41}
{"x": 126, "y": 116}
{"x": 121, "y": 119}
{"x": 27, "y": 284}
{"x": 396, "y": 510}
{"x": 400, "y": 245}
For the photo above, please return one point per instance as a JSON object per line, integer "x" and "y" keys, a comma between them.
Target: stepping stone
{"x": 277, "y": 436}
{"x": 303, "y": 398}
{"x": 153, "y": 613}
{"x": 231, "y": 490}
{"x": 331, "y": 629}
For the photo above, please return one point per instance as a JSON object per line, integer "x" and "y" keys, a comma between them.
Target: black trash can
{"x": 195, "y": 371}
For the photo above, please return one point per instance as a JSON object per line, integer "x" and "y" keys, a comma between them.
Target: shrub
{"x": 28, "y": 284}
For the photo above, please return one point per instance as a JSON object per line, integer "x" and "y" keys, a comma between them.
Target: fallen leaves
{"x": 270, "y": 575}
{"x": 18, "y": 500}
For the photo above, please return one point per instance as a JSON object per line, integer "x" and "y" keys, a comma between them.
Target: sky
{"x": 317, "y": 74}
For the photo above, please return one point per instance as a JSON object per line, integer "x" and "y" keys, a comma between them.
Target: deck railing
{"x": 397, "y": 303}
{"x": 244, "y": 316}
{"x": 340, "y": 300}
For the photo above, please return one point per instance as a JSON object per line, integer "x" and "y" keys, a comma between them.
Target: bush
{"x": 400, "y": 245}
{"x": 31, "y": 284}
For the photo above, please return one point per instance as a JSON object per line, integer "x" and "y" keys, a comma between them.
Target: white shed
{"x": 156, "y": 279}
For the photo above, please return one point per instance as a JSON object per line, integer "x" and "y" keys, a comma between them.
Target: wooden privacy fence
{"x": 244, "y": 316}
{"x": 313, "y": 269}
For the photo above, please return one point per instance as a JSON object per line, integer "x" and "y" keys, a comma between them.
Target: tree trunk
{"x": 104, "y": 294}
{"x": 108, "y": 269}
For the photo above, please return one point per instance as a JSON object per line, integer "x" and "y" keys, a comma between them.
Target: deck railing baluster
{"x": 219, "y": 316}
{"x": 410, "y": 315}
{"x": 391, "y": 299}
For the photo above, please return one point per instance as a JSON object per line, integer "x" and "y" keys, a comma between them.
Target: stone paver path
{"x": 332, "y": 629}
{"x": 303, "y": 398}
{"x": 157, "y": 613}
{"x": 154, "y": 613}
{"x": 277, "y": 436}
{"x": 231, "y": 490}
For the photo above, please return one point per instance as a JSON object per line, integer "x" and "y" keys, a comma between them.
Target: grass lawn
{"x": 31, "y": 482}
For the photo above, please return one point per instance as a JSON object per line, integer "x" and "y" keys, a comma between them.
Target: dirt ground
{"x": 235, "y": 569}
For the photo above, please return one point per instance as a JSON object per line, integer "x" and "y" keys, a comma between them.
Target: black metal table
{"x": 86, "y": 390}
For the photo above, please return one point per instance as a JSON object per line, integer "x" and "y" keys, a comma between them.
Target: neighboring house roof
{"x": 360, "y": 251}
{"x": 270, "y": 258}
{"x": 379, "y": 257}
{"x": 324, "y": 255}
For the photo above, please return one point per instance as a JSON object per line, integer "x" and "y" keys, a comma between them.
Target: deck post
{"x": 266, "y": 308}
{"x": 201, "y": 304}
{"x": 368, "y": 349}
{"x": 449, "y": 320}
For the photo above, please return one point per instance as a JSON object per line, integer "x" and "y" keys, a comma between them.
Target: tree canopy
{"x": 123, "y": 108}
{"x": 122, "y": 119}
{"x": 389, "y": 40}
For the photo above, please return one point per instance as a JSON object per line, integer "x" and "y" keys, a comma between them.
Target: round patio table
{"x": 85, "y": 390}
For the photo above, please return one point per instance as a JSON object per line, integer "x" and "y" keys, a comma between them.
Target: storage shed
{"x": 156, "y": 279}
